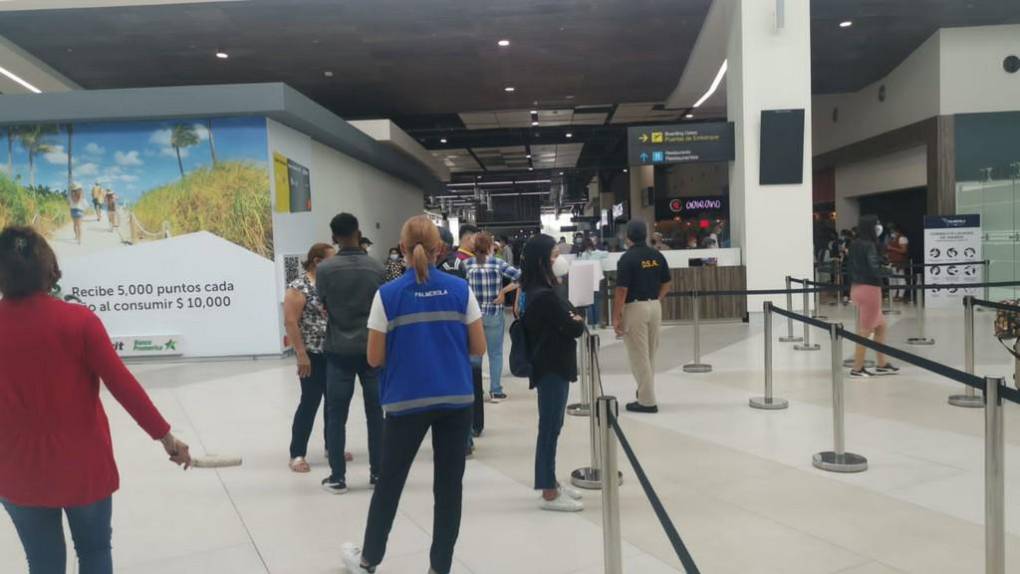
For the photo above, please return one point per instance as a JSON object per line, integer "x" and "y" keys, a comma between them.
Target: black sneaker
{"x": 861, "y": 374}
{"x": 476, "y": 433}
{"x": 637, "y": 407}
{"x": 887, "y": 369}
{"x": 334, "y": 486}
{"x": 499, "y": 397}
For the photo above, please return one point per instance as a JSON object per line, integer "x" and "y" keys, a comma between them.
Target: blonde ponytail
{"x": 420, "y": 240}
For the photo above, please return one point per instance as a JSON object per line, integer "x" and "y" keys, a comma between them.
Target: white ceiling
{"x": 523, "y": 119}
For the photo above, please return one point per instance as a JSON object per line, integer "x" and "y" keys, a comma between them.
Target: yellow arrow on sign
{"x": 643, "y": 138}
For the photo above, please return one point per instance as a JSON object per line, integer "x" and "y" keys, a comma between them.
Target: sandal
{"x": 299, "y": 464}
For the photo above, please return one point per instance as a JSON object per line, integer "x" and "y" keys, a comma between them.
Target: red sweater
{"x": 55, "y": 446}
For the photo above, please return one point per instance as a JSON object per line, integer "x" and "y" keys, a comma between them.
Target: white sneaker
{"x": 352, "y": 559}
{"x": 562, "y": 503}
{"x": 571, "y": 492}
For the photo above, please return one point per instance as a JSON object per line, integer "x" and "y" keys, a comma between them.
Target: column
{"x": 769, "y": 67}
{"x": 642, "y": 177}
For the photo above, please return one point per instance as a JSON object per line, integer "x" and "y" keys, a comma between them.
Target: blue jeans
{"x": 495, "y": 330}
{"x": 340, "y": 373}
{"x": 552, "y": 406}
{"x": 42, "y": 535}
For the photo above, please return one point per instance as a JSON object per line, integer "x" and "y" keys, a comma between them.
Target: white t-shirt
{"x": 377, "y": 320}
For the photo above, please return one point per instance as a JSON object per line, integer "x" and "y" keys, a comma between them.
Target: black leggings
{"x": 313, "y": 388}
{"x": 401, "y": 439}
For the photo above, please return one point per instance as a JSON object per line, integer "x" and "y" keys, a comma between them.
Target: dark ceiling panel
{"x": 884, "y": 33}
{"x": 388, "y": 57}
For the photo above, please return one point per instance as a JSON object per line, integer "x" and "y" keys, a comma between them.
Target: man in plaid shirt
{"x": 485, "y": 275}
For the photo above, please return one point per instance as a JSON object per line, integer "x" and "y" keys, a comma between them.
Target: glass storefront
{"x": 988, "y": 184}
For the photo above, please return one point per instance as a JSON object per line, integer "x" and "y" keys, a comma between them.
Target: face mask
{"x": 560, "y": 267}
{"x": 878, "y": 230}
{"x": 394, "y": 256}
{"x": 577, "y": 242}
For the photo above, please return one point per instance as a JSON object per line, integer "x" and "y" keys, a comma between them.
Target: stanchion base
{"x": 811, "y": 347}
{"x": 967, "y": 401}
{"x": 850, "y": 362}
{"x": 588, "y": 478}
{"x": 820, "y": 317}
{"x": 920, "y": 341}
{"x": 578, "y": 410}
{"x": 790, "y": 339}
{"x": 846, "y": 462}
{"x": 697, "y": 368}
{"x": 767, "y": 404}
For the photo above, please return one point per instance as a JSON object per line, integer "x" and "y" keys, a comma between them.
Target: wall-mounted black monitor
{"x": 782, "y": 147}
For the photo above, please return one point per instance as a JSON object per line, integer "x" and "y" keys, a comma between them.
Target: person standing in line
{"x": 642, "y": 280}
{"x": 395, "y": 266}
{"x": 423, "y": 327}
{"x": 508, "y": 251}
{"x": 346, "y": 284}
{"x": 97, "y": 201}
{"x": 465, "y": 251}
{"x": 551, "y": 328}
{"x": 897, "y": 251}
{"x": 54, "y": 434}
{"x": 366, "y": 245}
{"x": 485, "y": 275}
{"x": 305, "y": 320}
{"x": 593, "y": 253}
{"x": 864, "y": 265}
{"x": 76, "y": 198}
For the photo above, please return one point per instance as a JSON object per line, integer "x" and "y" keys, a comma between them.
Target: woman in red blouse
{"x": 56, "y": 454}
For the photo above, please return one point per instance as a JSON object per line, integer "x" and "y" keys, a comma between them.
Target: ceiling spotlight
{"x": 625, "y": 170}
{"x": 503, "y": 43}
{"x": 846, "y": 23}
{"x": 570, "y": 135}
{"x": 328, "y": 73}
{"x": 534, "y": 123}
{"x": 531, "y": 169}
{"x": 509, "y": 89}
{"x": 534, "y": 112}
{"x": 222, "y": 55}
{"x": 528, "y": 156}
{"x": 561, "y": 173}
{"x": 689, "y": 116}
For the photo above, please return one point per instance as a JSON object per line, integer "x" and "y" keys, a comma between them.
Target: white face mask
{"x": 878, "y": 230}
{"x": 560, "y": 267}
{"x": 394, "y": 256}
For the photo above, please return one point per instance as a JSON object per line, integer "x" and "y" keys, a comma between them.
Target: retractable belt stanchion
{"x": 789, "y": 338}
{"x": 838, "y": 460}
{"x": 969, "y": 398}
{"x": 583, "y": 408}
{"x": 920, "y": 339}
{"x": 697, "y": 366}
{"x": 590, "y": 477}
{"x": 995, "y": 480}
{"x": 984, "y": 279}
{"x": 806, "y": 345}
{"x": 768, "y": 402}
{"x": 818, "y": 297}
{"x": 611, "y": 534}
{"x": 836, "y": 277}
{"x": 887, "y": 309}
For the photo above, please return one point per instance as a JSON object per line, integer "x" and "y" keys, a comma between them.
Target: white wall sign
{"x": 948, "y": 240}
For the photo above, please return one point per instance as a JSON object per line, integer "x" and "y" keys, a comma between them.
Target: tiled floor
{"x": 738, "y": 482}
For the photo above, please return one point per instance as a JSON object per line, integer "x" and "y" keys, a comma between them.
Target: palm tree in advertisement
{"x": 212, "y": 142}
{"x": 33, "y": 140}
{"x": 182, "y": 136}
{"x": 70, "y": 178}
{"x": 10, "y": 151}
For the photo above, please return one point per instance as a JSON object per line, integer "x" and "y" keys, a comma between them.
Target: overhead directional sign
{"x": 680, "y": 143}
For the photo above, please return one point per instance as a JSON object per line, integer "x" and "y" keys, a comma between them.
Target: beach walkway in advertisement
{"x": 96, "y": 236}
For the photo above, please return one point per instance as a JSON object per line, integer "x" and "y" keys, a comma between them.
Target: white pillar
{"x": 769, "y": 67}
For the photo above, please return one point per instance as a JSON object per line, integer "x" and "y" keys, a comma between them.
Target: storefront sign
{"x": 693, "y": 204}
{"x": 680, "y": 143}
{"x": 148, "y": 346}
{"x": 952, "y": 239}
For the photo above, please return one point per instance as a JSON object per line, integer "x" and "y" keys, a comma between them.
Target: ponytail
{"x": 420, "y": 240}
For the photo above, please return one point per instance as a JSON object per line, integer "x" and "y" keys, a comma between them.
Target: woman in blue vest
{"x": 552, "y": 328}
{"x": 424, "y": 327}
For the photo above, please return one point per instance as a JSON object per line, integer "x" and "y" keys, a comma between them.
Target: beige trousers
{"x": 641, "y": 323}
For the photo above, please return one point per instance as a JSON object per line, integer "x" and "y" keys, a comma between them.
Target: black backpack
{"x": 521, "y": 355}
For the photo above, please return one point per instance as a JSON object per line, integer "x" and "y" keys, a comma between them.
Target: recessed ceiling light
{"x": 222, "y": 55}
{"x": 328, "y": 74}
{"x": 442, "y": 140}
{"x": 531, "y": 169}
{"x": 503, "y": 43}
{"x": 570, "y": 135}
{"x": 624, "y": 170}
{"x": 509, "y": 89}
{"x": 561, "y": 173}
{"x": 846, "y": 23}
{"x": 689, "y": 116}
{"x": 534, "y": 123}
{"x": 529, "y": 156}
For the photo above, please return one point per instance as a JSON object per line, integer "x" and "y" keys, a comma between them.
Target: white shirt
{"x": 377, "y": 320}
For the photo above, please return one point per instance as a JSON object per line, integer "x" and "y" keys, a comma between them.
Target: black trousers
{"x": 478, "y": 411}
{"x": 401, "y": 439}
{"x": 313, "y": 388}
